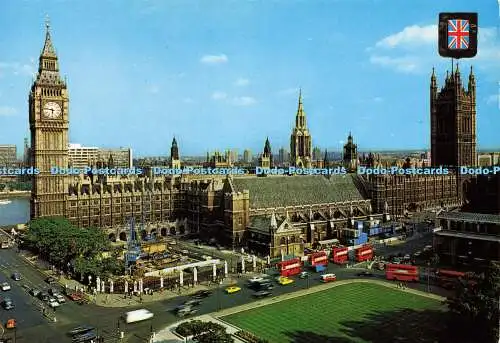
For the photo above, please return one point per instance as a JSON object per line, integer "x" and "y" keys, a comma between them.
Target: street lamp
{"x": 428, "y": 277}
{"x": 218, "y": 297}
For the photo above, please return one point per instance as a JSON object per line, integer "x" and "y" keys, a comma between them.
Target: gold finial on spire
{"x": 47, "y": 22}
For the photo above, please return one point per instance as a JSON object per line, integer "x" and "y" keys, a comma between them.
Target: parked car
{"x": 5, "y": 286}
{"x": 52, "y": 291}
{"x": 202, "y": 294}
{"x": 43, "y": 296}
{"x": 8, "y": 304}
{"x": 60, "y": 299}
{"x": 52, "y": 303}
{"x": 50, "y": 280}
{"x": 34, "y": 292}
{"x": 16, "y": 277}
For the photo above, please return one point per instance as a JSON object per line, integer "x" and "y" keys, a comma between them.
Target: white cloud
{"x": 6, "y": 111}
{"x": 241, "y": 82}
{"x": 188, "y": 100}
{"x": 18, "y": 68}
{"x": 289, "y": 91}
{"x": 493, "y": 99}
{"x": 214, "y": 59}
{"x": 219, "y": 95}
{"x": 411, "y": 35}
{"x": 243, "y": 101}
{"x": 414, "y": 50}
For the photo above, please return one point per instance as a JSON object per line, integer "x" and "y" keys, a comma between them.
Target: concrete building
{"x": 247, "y": 156}
{"x": 467, "y": 238}
{"x": 8, "y": 155}
{"x": 122, "y": 157}
{"x": 83, "y": 156}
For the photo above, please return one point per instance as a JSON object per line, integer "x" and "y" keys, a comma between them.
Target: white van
{"x": 138, "y": 316}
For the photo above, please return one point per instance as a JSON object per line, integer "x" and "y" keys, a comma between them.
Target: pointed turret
{"x": 267, "y": 147}
{"x": 434, "y": 90}
{"x": 175, "y": 161}
{"x": 111, "y": 163}
{"x": 472, "y": 81}
{"x": 174, "y": 150}
{"x": 48, "y": 65}
{"x": 300, "y": 119}
{"x": 274, "y": 223}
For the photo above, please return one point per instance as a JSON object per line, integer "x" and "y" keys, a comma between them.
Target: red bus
{"x": 364, "y": 253}
{"x": 448, "y": 278}
{"x": 290, "y": 267}
{"x": 401, "y": 272}
{"x": 340, "y": 255}
{"x": 319, "y": 258}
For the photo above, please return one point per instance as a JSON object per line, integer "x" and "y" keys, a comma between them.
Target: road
{"x": 34, "y": 327}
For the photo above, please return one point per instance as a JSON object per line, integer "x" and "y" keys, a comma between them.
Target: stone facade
{"x": 453, "y": 121}
{"x": 412, "y": 193}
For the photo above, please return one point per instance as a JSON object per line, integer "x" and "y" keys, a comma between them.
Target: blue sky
{"x": 220, "y": 74}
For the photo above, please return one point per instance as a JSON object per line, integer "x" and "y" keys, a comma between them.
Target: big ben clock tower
{"x": 49, "y": 122}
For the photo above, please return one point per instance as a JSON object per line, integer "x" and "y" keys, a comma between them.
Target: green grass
{"x": 358, "y": 312}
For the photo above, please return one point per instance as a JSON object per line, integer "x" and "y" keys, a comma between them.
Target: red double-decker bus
{"x": 340, "y": 255}
{"x": 401, "y": 272}
{"x": 319, "y": 258}
{"x": 364, "y": 253}
{"x": 290, "y": 267}
{"x": 448, "y": 278}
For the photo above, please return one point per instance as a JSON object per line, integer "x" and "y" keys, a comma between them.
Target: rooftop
{"x": 481, "y": 237}
{"x": 275, "y": 191}
{"x": 471, "y": 217}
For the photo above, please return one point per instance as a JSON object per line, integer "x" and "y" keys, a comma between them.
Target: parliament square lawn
{"x": 323, "y": 313}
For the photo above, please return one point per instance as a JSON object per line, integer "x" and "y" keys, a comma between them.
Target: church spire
{"x": 300, "y": 119}
{"x": 267, "y": 147}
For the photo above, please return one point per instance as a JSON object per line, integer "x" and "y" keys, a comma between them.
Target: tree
{"x": 60, "y": 242}
{"x": 204, "y": 332}
{"x": 476, "y": 303}
{"x": 214, "y": 337}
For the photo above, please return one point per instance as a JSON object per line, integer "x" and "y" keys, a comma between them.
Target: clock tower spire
{"x": 49, "y": 123}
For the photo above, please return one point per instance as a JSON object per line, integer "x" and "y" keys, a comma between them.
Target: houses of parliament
{"x": 269, "y": 215}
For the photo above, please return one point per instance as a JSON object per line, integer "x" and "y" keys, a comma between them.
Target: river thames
{"x": 16, "y": 212}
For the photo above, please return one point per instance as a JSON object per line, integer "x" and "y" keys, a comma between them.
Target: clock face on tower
{"x": 51, "y": 110}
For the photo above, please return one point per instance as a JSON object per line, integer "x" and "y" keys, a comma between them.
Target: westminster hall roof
{"x": 276, "y": 191}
